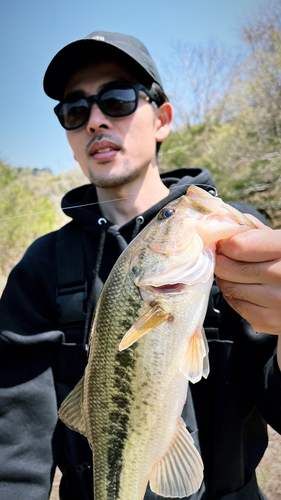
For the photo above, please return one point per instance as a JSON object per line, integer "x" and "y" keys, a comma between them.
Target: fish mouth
{"x": 168, "y": 288}
{"x": 179, "y": 279}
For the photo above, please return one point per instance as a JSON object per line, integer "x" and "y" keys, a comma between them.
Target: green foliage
{"x": 20, "y": 196}
{"x": 185, "y": 147}
{"x": 243, "y": 167}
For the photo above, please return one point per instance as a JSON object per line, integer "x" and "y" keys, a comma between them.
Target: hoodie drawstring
{"x": 94, "y": 294}
{"x": 139, "y": 222}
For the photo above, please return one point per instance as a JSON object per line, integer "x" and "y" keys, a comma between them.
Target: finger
{"x": 236, "y": 271}
{"x": 261, "y": 295}
{"x": 252, "y": 246}
{"x": 248, "y": 272}
{"x": 262, "y": 319}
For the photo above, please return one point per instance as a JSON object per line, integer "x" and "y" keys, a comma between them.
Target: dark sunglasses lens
{"x": 74, "y": 114}
{"x": 119, "y": 102}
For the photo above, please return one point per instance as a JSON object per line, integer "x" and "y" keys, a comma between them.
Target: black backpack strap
{"x": 71, "y": 293}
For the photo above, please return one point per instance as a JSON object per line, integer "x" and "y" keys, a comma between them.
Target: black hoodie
{"x": 42, "y": 358}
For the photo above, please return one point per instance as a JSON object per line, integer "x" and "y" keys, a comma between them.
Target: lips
{"x": 104, "y": 150}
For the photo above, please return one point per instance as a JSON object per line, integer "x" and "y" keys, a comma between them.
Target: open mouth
{"x": 169, "y": 288}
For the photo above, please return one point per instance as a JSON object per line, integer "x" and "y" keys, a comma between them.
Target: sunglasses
{"x": 115, "y": 100}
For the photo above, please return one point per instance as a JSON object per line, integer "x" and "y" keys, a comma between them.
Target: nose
{"x": 97, "y": 120}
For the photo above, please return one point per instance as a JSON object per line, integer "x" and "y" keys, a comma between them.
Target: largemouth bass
{"x": 147, "y": 342}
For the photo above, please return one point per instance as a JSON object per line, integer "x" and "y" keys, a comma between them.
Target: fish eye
{"x": 165, "y": 213}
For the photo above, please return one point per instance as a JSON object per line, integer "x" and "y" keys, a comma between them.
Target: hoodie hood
{"x": 81, "y": 203}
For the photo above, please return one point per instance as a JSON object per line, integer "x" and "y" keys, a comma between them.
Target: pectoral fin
{"x": 151, "y": 319}
{"x": 180, "y": 472}
{"x": 71, "y": 412}
{"x": 195, "y": 363}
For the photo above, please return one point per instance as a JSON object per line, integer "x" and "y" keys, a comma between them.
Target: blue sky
{"x": 32, "y": 32}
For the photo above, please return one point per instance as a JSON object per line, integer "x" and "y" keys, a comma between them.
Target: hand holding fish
{"x": 248, "y": 270}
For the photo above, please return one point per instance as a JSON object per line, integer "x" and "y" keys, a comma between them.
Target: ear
{"x": 164, "y": 121}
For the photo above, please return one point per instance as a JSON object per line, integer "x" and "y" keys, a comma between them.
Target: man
{"x": 116, "y": 114}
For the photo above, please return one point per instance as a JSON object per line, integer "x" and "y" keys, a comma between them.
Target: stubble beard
{"x": 114, "y": 180}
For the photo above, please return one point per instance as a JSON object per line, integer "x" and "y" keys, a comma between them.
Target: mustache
{"x": 98, "y": 137}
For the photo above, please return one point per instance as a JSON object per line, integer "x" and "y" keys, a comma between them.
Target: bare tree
{"x": 261, "y": 70}
{"x": 200, "y": 77}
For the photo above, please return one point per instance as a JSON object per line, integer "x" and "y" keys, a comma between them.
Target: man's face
{"x": 112, "y": 151}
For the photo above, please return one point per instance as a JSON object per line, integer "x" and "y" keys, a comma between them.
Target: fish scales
{"x": 109, "y": 380}
{"x": 147, "y": 343}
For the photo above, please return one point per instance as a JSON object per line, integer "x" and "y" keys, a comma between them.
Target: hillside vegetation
{"x": 29, "y": 207}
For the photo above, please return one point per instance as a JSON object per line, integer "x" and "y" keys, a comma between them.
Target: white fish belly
{"x": 159, "y": 394}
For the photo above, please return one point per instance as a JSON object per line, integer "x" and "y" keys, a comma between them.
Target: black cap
{"x": 95, "y": 47}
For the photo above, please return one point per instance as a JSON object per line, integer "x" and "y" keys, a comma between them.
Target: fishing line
{"x": 100, "y": 202}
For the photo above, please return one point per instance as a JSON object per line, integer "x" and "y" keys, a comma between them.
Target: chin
{"x": 112, "y": 181}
